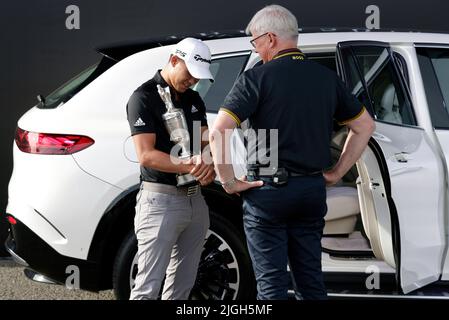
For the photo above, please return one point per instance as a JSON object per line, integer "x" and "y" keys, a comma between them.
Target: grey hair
{"x": 274, "y": 18}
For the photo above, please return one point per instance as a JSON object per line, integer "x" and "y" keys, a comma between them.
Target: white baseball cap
{"x": 196, "y": 55}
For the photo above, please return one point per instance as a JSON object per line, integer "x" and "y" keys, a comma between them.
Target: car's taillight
{"x": 11, "y": 220}
{"x": 50, "y": 143}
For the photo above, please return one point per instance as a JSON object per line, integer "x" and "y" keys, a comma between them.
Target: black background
{"x": 38, "y": 53}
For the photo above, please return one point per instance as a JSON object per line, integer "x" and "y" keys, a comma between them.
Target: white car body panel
{"x": 59, "y": 219}
{"x": 375, "y": 212}
{"x": 420, "y": 210}
{"x": 443, "y": 138}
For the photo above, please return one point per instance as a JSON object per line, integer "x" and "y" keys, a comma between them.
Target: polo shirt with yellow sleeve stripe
{"x": 298, "y": 97}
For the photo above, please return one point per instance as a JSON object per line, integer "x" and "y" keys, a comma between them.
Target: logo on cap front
{"x": 197, "y": 57}
{"x": 181, "y": 53}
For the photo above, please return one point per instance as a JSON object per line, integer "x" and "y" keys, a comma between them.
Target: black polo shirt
{"x": 300, "y": 98}
{"x": 144, "y": 111}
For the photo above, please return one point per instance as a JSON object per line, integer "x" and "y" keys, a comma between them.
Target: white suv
{"x": 76, "y": 175}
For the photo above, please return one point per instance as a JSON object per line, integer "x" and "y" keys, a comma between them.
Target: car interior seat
{"x": 342, "y": 210}
{"x": 389, "y": 108}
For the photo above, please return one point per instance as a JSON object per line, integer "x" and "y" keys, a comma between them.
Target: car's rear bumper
{"x": 29, "y": 250}
{"x": 58, "y": 201}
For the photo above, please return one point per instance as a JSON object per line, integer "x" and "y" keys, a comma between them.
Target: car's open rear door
{"x": 412, "y": 190}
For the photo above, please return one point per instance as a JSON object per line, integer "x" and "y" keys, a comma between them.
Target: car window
{"x": 434, "y": 65}
{"x": 65, "y": 92}
{"x": 389, "y": 100}
{"x": 325, "y": 59}
{"x": 225, "y": 72}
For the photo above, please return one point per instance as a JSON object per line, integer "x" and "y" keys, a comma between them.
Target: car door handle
{"x": 381, "y": 137}
{"x": 402, "y": 157}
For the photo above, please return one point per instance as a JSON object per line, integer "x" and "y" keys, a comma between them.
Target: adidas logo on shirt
{"x": 194, "y": 109}
{"x": 139, "y": 123}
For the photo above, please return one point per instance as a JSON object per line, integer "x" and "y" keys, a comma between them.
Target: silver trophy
{"x": 175, "y": 122}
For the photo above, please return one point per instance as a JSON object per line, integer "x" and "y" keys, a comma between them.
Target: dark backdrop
{"x": 38, "y": 53}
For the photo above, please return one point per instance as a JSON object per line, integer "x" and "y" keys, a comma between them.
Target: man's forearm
{"x": 205, "y": 145}
{"x": 225, "y": 172}
{"x": 221, "y": 156}
{"x": 162, "y": 161}
{"x": 354, "y": 146}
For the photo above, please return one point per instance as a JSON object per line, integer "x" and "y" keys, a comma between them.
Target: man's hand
{"x": 209, "y": 178}
{"x": 242, "y": 185}
{"x": 203, "y": 170}
{"x": 331, "y": 177}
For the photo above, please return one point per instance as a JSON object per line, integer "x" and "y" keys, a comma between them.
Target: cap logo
{"x": 181, "y": 53}
{"x": 197, "y": 57}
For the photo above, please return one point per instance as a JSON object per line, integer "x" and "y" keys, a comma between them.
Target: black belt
{"x": 292, "y": 174}
{"x": 281, "y": 176}
{"x": 305, "y": 174}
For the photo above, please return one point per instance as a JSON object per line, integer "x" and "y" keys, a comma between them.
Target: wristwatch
{"x": 229, "y": 183}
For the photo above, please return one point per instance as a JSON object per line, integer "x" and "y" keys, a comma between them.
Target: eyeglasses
{"x": 253, "y": 42}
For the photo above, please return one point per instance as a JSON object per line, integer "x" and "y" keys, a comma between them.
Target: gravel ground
{"x": 14, "y": 285}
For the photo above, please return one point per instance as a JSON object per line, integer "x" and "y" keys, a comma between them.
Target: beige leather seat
{"x": 390, "y": 106}
{"x": 342, "y": 210}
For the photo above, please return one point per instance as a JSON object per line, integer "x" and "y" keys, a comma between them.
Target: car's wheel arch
{"x": 226, "y": 205}
{"x": 112, "y": 229}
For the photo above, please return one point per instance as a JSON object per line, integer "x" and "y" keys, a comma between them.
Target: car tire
{"x": 121, "y": 271}
{"x": 228, "y": 262}
{"x": 224, "y": 273}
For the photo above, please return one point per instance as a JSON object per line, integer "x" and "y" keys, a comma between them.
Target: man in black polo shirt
{"x": 284, "y": 220}
{"x": 170, "y": 222}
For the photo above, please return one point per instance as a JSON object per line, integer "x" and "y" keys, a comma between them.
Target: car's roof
{"x": 308, "y": 37}
{"x": 121, "y": 50}
{"x": 392, "y": 37}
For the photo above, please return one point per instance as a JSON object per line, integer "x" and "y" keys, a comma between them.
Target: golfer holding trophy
{"x": 172, "y": 217}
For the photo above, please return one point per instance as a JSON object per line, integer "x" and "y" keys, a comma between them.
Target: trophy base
{"x": 186, "y": 180}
